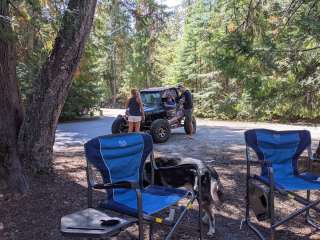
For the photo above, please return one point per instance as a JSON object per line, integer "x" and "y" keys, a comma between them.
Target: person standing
{"x": 134, "y": 108}
{"x": 187, "y": 107}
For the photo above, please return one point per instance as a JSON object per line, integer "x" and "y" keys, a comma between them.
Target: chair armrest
{"x": 122, "y": 184}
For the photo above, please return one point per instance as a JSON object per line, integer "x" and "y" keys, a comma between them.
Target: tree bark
{"x": 11, "y": 175}
{"x": 114, "y": 27}
{"x": 114, "y": 77}
{"x": 50, "y": 89}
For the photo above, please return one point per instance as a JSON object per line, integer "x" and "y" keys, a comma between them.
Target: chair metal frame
{"x": 151, "y": 220}
{"x": 308, "y": 205}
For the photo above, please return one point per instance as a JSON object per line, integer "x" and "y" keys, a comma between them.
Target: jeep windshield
{"x": 151, "y": 98}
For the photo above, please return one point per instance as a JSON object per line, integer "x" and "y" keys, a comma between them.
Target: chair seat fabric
{"x": 304, "y": 181}
{"x": 154, "y": 199}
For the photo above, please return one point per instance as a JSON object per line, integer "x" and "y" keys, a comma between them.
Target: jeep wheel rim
{"x": 162, "y": 132}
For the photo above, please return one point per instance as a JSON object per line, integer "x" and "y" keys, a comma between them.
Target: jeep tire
{"x": 194, "y": 125}
{"x": 160, "y": 130}
{"x": 118, "y": 125}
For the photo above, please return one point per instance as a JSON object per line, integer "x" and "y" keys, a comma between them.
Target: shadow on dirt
{"x": 37, "y": 215}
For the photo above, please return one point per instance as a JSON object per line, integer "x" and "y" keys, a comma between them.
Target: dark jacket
{"x": 188, "y": 104}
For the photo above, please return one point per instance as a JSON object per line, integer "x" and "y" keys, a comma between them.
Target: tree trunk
{"x": 114, "y": 28}
{"x": 11, "y": 175}
{"x": 50, "y": 89}
{"x": 114, "y": 77}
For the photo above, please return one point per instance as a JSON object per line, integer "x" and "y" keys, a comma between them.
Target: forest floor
{"x": 36, "y": 216}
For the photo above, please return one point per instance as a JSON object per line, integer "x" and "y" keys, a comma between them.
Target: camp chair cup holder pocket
{"x": 120, "y": 159}
{"x": 277, "y": 154}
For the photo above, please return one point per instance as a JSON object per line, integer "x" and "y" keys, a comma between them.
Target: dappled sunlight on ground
{"x": 220, "y": 144}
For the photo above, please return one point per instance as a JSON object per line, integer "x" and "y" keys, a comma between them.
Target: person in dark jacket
{"x": 134, "y": 109}
{"x": 187, "y": 107}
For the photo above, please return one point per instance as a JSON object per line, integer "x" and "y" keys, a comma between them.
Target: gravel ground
{"x": 37, "y": 214}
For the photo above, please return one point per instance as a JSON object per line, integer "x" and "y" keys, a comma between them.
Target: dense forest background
{"x": 243, "y": 59}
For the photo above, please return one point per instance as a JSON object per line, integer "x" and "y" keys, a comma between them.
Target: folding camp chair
{"x": 277, "y": 153}
{"x": 120, "y": 160}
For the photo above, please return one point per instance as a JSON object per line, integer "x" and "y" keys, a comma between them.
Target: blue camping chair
{"x": 120, "y": 160}
{"x": 277, "y": 153}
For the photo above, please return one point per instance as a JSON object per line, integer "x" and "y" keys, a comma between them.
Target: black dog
{"x": 211, "y": 187}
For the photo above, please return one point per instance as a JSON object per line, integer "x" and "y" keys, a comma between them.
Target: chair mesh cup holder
{"x": 259, "y": 200}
